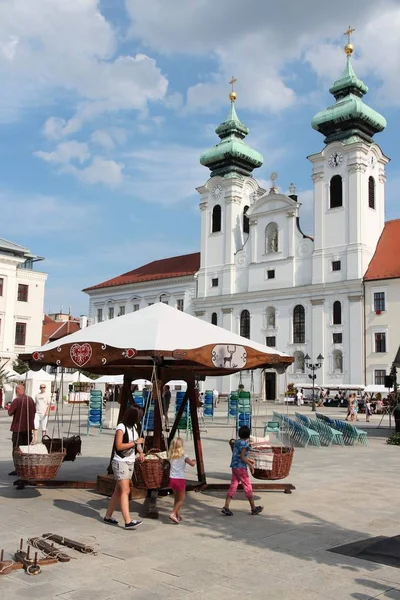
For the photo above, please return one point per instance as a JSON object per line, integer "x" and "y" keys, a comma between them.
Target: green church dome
{"x": 231, "y": 155}
{"x": 349, "y": 119}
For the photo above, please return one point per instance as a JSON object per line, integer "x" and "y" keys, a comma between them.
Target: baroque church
{"x": 258, "y": 274}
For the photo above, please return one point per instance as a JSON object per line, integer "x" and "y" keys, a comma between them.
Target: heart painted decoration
{"x": 80, "y": 354}
{"x": 130, "y": 353}
{"x": 36, "y": 356}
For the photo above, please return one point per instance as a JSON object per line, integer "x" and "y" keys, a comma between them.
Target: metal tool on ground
{"x": 59, "y": 539}
{"x": 6, "y": 566}
{"x": 31, "y": 567}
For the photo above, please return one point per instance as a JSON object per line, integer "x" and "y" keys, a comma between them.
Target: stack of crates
{"x": 138, "y": 398}
{"x": 232, "y": 405}
{"x": 208, "y": 407}
{"x": 95, "y": 415}
{"x": 185, "y": 422}
{"x": 243, "y": 416}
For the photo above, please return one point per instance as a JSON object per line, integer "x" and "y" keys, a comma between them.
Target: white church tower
{"x": 349, "y": 178}
{"x": 225, "y": 199}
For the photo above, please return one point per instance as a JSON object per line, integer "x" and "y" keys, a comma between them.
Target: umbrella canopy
{"x": 159, "y": 333}
{"x": 376, "y": 389}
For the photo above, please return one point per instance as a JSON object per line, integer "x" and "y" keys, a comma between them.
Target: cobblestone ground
{"x": 342, "y": 495}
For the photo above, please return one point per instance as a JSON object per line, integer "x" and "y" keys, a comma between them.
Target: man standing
{"x": 22, "y": 410}
{"x": 42, "y": 404}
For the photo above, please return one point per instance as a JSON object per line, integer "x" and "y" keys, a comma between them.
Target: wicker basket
{"x": 151, "y": 474}
{"x": 37, "y": 467}
{"x": 281, "y": 464}
{"x": 71, "y": 445}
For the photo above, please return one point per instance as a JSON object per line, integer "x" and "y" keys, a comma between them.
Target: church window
{"x": 214, "y": 282}
{"x": 270, "y": 341}
{"x": 336, "y": 192}
{"x": 179, "y": 304}
{"x": 246, "y": 222}
{"x": 214, "y": 319}
{"x": 380, "y": 342}
{"x": 299, "y": 325}
{"x": 99, "y": 315}
{"x": 337, "y": 313}
{"x": 110, "y": 312}
{"x": 371, "y": 192}
{"x": 271, "y": 238}
{"x": 380, "y": 375}
{"x": 271, "y": 274}
{"x": 216, "y": 219}
{"x": 336, "y": 265}
{"x": 136, "y": 307}
{"x": 245, "y": 324}
{"x": 337, "y": 338}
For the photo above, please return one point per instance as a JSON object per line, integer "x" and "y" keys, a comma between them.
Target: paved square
{"x": 342, "y": 494}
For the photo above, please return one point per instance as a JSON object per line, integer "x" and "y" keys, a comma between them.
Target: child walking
{"x": 177, "y": 482}
{"x": 240, "y": 473}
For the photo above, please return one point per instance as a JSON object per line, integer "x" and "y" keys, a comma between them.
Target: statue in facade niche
{"x": 273, "y": 241}
{"x": 271, "y": 319}
{"x": 339, "y": 362}
{"x": 300, "y": 363}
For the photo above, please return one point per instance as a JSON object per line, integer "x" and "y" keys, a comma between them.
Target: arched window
{"x": 216, "y": 219}
{"x": 214, "y": 319}
{"x": 271, "y": 317}
{"x": 271, "y": 238}
{"x": 245, "y": 324}
{"x": 336, "y": 192}
{"x": 246, "y": 222}
{"x": 298, "y": 365}
{"x": 299, "y": 325}
{"x": 337, "y": 313}
{"x": 337, "y": 357}
{"x": 371, "y": 192}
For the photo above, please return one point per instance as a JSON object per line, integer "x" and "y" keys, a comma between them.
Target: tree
{"x": 20, "y": 366}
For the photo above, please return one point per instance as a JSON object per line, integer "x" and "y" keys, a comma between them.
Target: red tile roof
{"x": 166, "y": 268}
{"x": 385, "y": 264}
{"x": 54, "y": 330}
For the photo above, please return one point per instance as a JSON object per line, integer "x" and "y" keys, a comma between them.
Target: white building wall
{"x": 387, "y": 322}
{"x": 12, "y": 311}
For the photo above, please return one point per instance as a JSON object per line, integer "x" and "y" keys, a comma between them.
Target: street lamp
{"x": 313, "y": 367}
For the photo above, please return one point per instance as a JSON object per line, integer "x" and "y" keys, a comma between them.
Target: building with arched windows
{"x": 258, "y": 273}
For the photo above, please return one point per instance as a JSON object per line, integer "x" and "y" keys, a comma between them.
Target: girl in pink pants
{"x": 240, "y": 473}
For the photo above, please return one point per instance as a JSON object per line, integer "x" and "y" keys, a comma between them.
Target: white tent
{"x": 159, "y": 327}
{"x": 32, "y": 381}
{"x": 76, "y": 377}
{"x": 376, "y": 389}
{"x": 110, "y": 379}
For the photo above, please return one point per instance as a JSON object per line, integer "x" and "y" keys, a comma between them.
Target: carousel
{"x": 159, "y": 344}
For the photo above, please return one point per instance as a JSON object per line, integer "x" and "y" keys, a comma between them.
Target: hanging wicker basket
{"x": 282, "y": 457}
{"x": 153, "y": 472}
{"x": 71, "y": 445}
{"x": 37, "y": 467}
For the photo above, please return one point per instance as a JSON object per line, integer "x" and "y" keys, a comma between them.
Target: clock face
{"x": 335, "y": 159}
{"x": 217, "y": 191}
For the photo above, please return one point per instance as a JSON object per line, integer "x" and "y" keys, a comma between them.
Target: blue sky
{"x": 106, "y": 106}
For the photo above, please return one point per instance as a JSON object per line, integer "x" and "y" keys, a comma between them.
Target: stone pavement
{"x": 342, "y": 495}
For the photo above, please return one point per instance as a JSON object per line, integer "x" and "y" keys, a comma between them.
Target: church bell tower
{"x": 349, "y": 180}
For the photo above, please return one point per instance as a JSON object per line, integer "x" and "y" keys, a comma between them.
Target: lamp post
{"x": 313, "y": 367}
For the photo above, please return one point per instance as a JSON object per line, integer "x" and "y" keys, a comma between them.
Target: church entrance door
{"x": 270, "y": 386}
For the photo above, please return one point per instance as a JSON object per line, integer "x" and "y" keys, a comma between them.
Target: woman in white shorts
{"x": 125, "y": 444}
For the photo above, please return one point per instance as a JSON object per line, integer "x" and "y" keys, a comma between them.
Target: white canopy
{"x": 376, "y": 389}
{"x": 36, "y": 376}
{"x": 76, "y": 377}
{"x": 110, "y": 379}
{"x": 158, "y": 326}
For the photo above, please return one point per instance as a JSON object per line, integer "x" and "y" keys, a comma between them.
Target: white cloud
{"x": 65, "y": 152}
{"x": 103, "y": 138}
{"x": 257, "y": 41}
{"x": 64, "y": 45}
{"x": 101, "y": 170}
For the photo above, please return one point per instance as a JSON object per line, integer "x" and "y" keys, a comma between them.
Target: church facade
{"x": 258, "y": 274}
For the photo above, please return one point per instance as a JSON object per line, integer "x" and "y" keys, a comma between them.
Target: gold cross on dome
{"x": 349, "y": 33}
{"x": 232, "y": 82}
